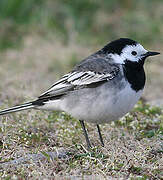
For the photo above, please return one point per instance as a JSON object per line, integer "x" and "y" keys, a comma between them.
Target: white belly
{"x": 96, "y": 105}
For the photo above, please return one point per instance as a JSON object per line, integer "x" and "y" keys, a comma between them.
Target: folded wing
{"x": 88, "y": 72}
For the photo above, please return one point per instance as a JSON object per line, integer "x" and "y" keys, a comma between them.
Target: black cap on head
{"x": 117, "y": 45}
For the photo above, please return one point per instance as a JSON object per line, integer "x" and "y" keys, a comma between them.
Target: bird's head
{"x": 126, "y": 50}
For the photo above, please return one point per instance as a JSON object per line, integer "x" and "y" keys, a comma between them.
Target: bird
{"x": 101, "y": 88}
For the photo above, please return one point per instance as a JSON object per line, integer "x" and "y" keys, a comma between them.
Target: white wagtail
{"x": 101, "y": 88}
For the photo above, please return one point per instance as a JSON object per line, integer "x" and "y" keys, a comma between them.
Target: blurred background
{"x": 41, "y": 40}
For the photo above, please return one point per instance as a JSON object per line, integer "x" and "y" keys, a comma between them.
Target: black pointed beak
{"x": 150, "y": 53}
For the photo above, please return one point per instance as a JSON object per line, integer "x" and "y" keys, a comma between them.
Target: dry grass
{"x": 133, "y": 145}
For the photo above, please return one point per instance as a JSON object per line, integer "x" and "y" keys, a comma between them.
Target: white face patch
{"x": 127, "y": 53}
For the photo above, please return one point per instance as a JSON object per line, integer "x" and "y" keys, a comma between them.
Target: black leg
{"x": 85, "y": 134}
{"x": 100, "y": 136}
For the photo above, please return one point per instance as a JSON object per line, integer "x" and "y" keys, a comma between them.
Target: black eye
{"x": 134, "y": 53}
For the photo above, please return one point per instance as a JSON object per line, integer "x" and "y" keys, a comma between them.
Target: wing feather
{"x": 76, "y": 79}
{"x": 88, "y": 72}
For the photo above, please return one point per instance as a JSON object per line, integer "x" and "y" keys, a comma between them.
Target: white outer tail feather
{"x": 17, "y": 108}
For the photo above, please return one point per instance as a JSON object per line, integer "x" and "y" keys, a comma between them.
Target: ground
{"x": 48, "y": 144}
{"x": 42, "y": 40}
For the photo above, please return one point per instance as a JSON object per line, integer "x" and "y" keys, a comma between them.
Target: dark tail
{"x": 17, "y": 108}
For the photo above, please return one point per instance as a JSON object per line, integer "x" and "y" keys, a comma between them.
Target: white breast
{"x": 100, "y": 105}
{"x": 97, "y": 105}
{"x": 122, "y": 103}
